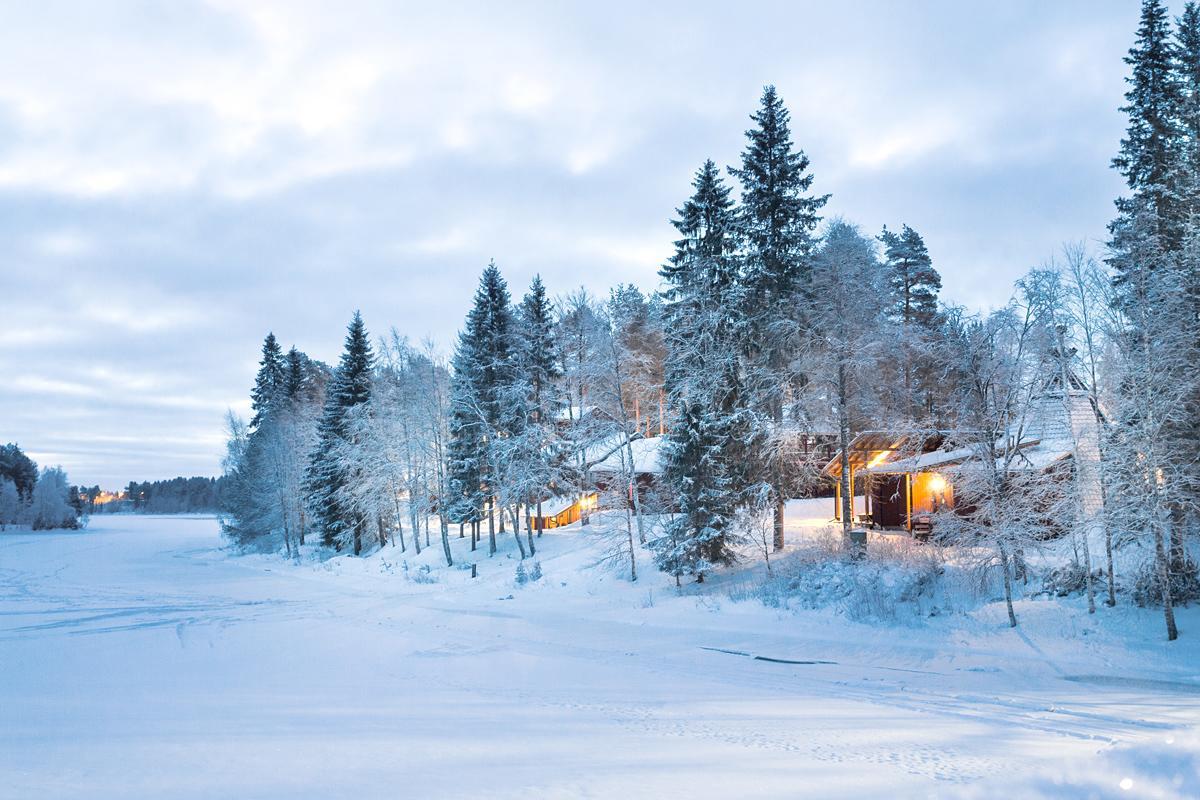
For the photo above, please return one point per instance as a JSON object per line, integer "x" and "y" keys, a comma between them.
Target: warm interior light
{"x": 878, "y": 457}
{"x": 937, "y": 484}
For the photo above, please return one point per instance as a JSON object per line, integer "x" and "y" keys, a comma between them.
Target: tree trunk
{"x": 1008, "y": 601}
{"x": 1164, "y": 579}
{"x": 444, "y": 524}
{"x": 492, "y": 526}
{"x": 529, "y": 532}
{"x": 632, "y": 550}
{"x": 777, "y": 475}
{"x": 539, "y": 518}
{"x": 844, "y": 441}
{"x": 1108, "y": 554}
{"x": 516, "y": 530}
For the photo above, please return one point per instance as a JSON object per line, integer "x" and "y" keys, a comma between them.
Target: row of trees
{"x": 43, "y": 500}
{"x": 170, "y": 496}
{"x": 725, "y": 362}
{"x": 774, "y": 329}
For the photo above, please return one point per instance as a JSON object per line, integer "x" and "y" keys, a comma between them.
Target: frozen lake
{"x": 138, "y": 659}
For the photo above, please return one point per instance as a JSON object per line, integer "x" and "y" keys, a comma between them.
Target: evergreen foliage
{"x": 269, "y": 382}
{"x": 18, "y": 468}
{"x": 776, "y": 221}
{"x": 912, "y": 281}
{"x": 702, "y": 381}
{"x": 327, "y": 475}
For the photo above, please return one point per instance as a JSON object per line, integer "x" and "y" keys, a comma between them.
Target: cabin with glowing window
{"x": 894, "y": 478}
{"x": 903, "y": 479}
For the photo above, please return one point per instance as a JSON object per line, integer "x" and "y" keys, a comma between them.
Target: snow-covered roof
{"x": 647, "y": 455}
{"x": 922, "y": 462}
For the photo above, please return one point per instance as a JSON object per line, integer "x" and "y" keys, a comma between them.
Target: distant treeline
{"x": 173, "y": 496}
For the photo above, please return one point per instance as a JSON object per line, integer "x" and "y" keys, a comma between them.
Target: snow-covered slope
{"x": 140, "y": 659}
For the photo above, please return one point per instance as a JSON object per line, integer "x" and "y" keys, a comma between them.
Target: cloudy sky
{"x": 176, "y": 179}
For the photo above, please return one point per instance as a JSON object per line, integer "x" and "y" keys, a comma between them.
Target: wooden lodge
{"x": 906, "y": 478}
{"x": 896, "y": 474}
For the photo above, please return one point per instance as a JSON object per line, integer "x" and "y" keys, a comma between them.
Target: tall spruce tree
{"x": 1187, "y": 59}
{"x": 1151, "y": 152}
{"x": 482, "y": 394}
{"x": 540, "y": 370}
{"x": 776, "y": 221}
{"x": 269, "y": 381}
{"x": 327, "y": 474}
{"x": 705, "y": 439}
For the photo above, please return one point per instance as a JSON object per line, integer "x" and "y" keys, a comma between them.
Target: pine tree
{"x": 911, "y": 279}
{"x": 327, "y": 474}
{"x": 484, "y": 403}
{"x": 269, "y": 381}
{"x": 295, "y": 377}
{"x": 776, "y": 221}
{"x": 1151, "y": 152}
{"x": 709, "y": 432}
{"x": 540, "y": 370}
{"x": 699, "y": 536}
{"x": 912, "y": 285}
{"x": 1187, "y": 65}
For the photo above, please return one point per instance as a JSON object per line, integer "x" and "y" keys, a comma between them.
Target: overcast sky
{"x": 178, "y": 178}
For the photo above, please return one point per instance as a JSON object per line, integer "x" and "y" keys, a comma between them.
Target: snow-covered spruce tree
{"x": 1187, "y": 67}
{"x": 845, "y": 328}
{"x": 465, "y": 449}
{"x": 912, "y": 289}
{"x": 326, "y": 474}
{"x": 482, "y": 398}
{"x": 541, "y": 373}
{"x": 269, "y": 382}
{"x": 775, "y": 221}
{"x": 709, "y": 431}
{"x": 1151, "y": 153}
{"x": 700, "y": 535}
{"x": 50, "y": 506}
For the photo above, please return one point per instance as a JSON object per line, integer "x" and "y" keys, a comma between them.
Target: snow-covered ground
{"x": 140, "y": 659}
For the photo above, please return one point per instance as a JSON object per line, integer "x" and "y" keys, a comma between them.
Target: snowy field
{"x": 142, "y": 660}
